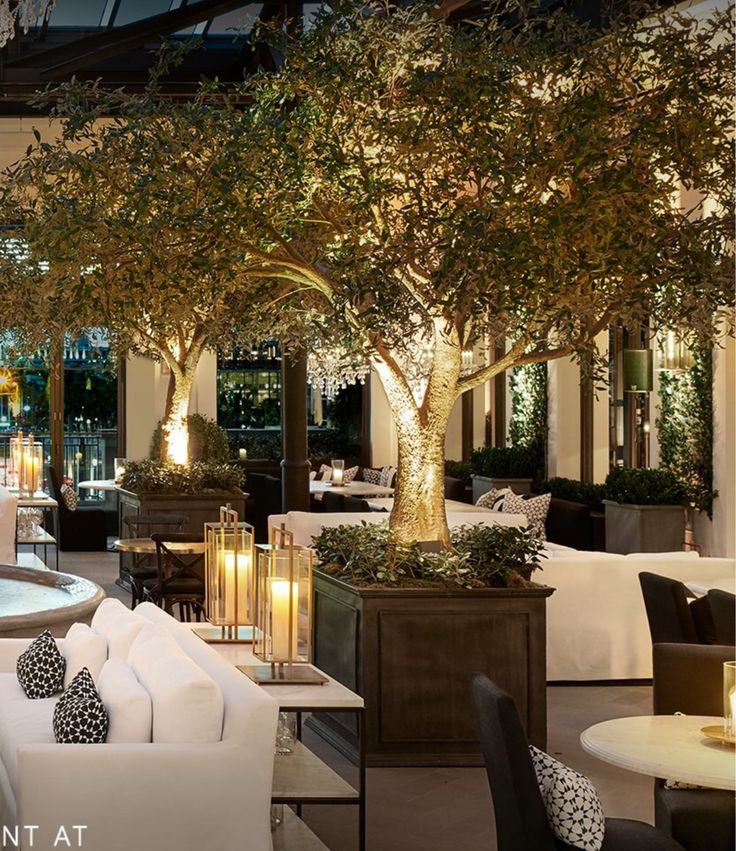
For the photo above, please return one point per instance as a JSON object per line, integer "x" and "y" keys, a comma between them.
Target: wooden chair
{"x": 179, "y": 578}
{"x": 144, "y": 566}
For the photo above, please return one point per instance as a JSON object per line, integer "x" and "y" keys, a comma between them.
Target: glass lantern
{"x": 229, "y": 577}
{"x": 26, "y": 456}
{"x": 729, "y": 699}
{"x": 283, "y": 627}
{"x": 338, "y": 472}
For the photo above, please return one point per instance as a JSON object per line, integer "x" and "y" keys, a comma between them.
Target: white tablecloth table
{"x": 361, "y": 489}
{"x": 700, "y": 587}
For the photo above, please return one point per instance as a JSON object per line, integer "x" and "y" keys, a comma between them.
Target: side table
{"x": 44, "y": 538}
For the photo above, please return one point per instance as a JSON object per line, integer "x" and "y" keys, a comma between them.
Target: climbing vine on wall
{"x": 685, "y": 425}
{"x": 528, "y": 426}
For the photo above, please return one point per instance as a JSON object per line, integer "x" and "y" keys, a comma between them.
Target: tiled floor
{"x": 449, "y": 809}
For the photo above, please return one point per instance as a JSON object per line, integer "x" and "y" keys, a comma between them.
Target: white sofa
{"x": 596, "y": 622}
{"x": 305, "y": 525}
{"x": 8, "y": 518}
{"x": 144, "y": 796}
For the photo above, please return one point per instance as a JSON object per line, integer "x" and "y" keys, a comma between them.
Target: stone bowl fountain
{"x": 34, "y": 600}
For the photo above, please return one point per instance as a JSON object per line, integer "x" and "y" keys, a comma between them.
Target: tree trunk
{"x": 419, "y": 499}
{"x": 174, "y": 428}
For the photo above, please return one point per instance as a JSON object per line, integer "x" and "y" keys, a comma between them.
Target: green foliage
{"x": 645, "y": 487}
{"x": 685, "y": 428}
{"x": 528, "y": 426}
{"x": 482, "y": 556}
{"x": 207, "y": 441}
{"x": 199, "y": 477}
{"x": 459, "y": 470}
{"x": 571, "y": 489}
{"x": 504, "y": 462}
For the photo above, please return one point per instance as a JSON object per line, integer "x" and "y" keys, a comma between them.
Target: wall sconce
{"x": 26, "y": 456}
{"x": 229, "y": 579}
{"x": 638, "y": 371}
{"x": 283, "y": 623}
{"x": 338, "y": 471}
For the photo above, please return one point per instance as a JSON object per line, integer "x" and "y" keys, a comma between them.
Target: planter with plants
{"x": 405, "y": 628}
{"x": 502, "y": 467}
{"x": 645, "y": 511}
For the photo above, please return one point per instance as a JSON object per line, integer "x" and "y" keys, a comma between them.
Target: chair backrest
{"x": 171, "y": 563}
{"x": 521, "y": 820}
{"x": 355, "y": 503}
{"x": 454, "y": 489}
{"x": 333, "y": 502}
{"x": 723, "y": 610}
{"x": 689, "y": 678}
{"x": 146, "y": 525}
{"x": 668, "y": 613}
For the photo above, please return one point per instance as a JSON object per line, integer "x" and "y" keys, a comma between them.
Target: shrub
{"x": 482, "y": 556}
{"x": 459, "y": 470}
{"x": 200, "y": 477}
{"x": 645, "y": 487}
{"x": 504, "y": 462}
{"x": 575, "y": 491}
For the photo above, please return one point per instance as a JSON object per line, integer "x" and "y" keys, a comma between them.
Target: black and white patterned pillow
{"x": 80, "y": 717}
{"x": 69, "y": 497}
{"x": 349, "y": 474}
{"x": 40, "y": 668}
{"x": 574, "y": 810}
{"x": 535, "y": 510}
{"x": 387, "y": 477}
{"x": 325, "y": 473}
{"x": 493, "y": 499}
{"x": 371, "y": 475}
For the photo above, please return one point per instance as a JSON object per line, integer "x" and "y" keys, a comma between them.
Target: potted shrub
{"x": 502, "y": 467}
{"x": 645, "y": 511}
{"x": 405, "y": 628}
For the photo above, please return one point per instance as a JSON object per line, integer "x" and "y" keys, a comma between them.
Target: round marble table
{"x": 668, "y": 746}
{"x": 147, "y": 546}
{"x": 33, "y": 600}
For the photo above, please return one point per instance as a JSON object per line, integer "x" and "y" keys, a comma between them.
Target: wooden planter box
{"x": 482, "y": 484}
{"x": 410, "y": 653}
{"x": 199, "y": 508}
{"x": 644, "y": 528}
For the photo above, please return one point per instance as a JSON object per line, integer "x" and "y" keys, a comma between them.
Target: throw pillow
{"x": 349, "y": 474}
{"x": 325, "y": 473}
{"x": 40, "y": 668}
{"x": 80, "y": 717}
{"x": 128, "y": 704}
{"x": 535, "y": 509}
{"x": 493, "y": 499}
{"x": 372, "y": 476}
{"x": 388, "y": 475}
{"x": 83, "y": 648}
{"x": 69, "y": 497}
{"x": 573, "y": 807}
{"x": 108, "y": 609}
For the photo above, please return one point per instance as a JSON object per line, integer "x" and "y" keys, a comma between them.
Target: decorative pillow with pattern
{"x": 535, "y": 510}
{"x": 325, "y": 473}
{"x": 80, "y": 717}
{"x": 493, "y": 499}
{"x": 388, "y": 477}
{"x": 349, "y": 474}
{"x": 573, "y": 807}
{"x": 40, "y": 668}
{"x": 69, "y": 497}
{"x": 372, "y": 476}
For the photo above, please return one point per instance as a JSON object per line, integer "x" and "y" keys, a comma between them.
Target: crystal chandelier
{"x": 333, "y": 368}
{"x": 26, "y": 12}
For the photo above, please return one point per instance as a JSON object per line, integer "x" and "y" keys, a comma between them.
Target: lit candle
{"x": 281, "y": 609}
{"x": 338, "y": 468}
{"x": 244, "y": 572}
{"x": 243, "y": 454}
{"x": 730, "y": 729}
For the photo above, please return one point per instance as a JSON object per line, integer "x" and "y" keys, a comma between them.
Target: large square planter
{"x": 410, "y": 653}
{"x": 199, "y": 508}
{"x": 482, "y": 484}
{"x": 644, "y": 528}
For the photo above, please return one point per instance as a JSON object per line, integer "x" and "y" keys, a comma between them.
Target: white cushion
{"x": 22, "y": 722}
{"x": 83, "y": 648}
{"x": 128, "y": 704}
{"x": 8, "y": 517}
{"x": 120, "y": 632}
{"x": 187, "y": 703}
{"x": 676, "y": 556}
{"x": 109, "y": 608}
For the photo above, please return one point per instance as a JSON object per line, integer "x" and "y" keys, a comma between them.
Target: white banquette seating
{"x": 596, "y": 622}
{"x": 205, "y": 780}
{"x": 8, "y": 516}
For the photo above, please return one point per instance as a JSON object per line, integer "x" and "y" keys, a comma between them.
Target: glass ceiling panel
{"x": 77, "y": 13}
{"x": 239, "y": 19}
{"x": 136, "y": 10}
